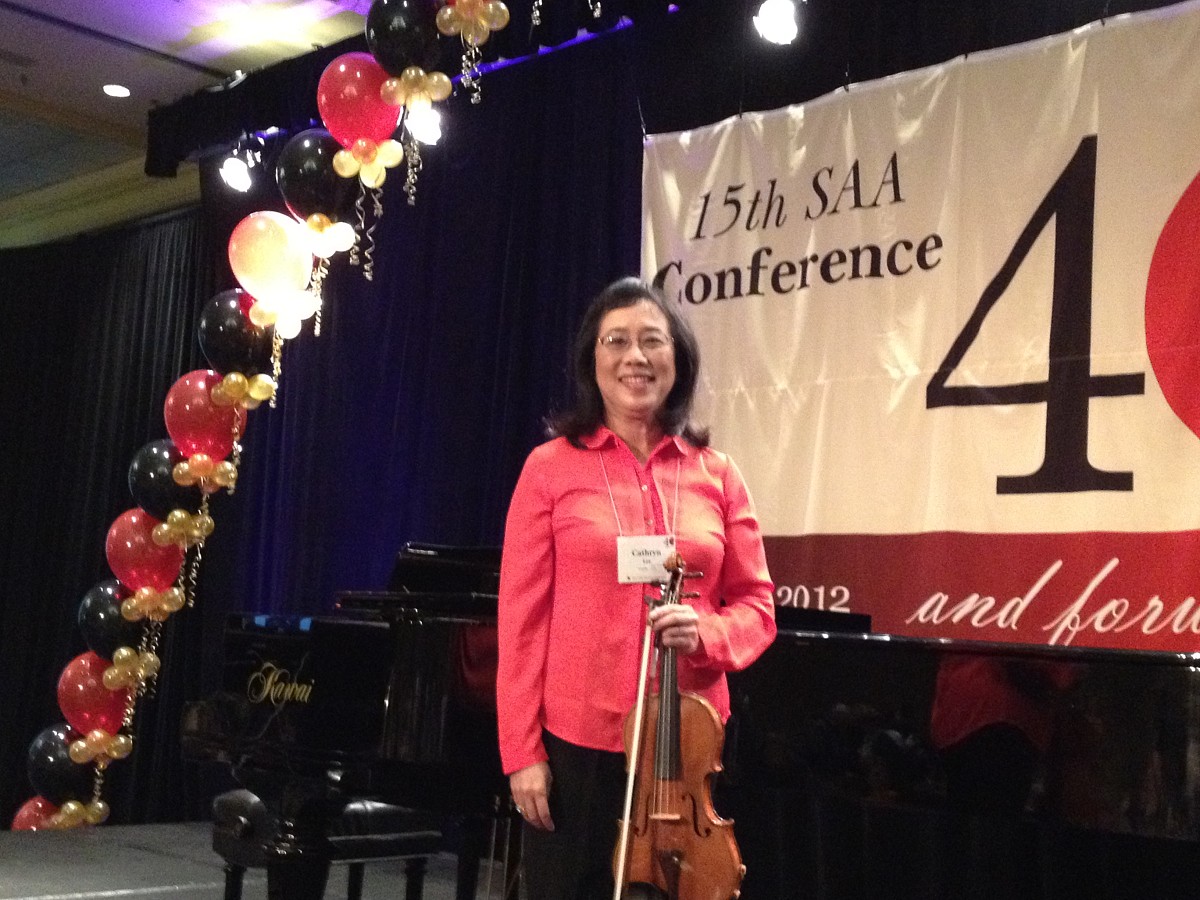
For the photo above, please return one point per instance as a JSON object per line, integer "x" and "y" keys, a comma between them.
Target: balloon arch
{"x": 330, "y": 180}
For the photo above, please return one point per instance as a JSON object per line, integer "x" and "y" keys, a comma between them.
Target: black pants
{"x": 574, "y": 862}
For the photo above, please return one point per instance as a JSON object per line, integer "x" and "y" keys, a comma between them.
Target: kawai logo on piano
{"x": 276, "y": 685}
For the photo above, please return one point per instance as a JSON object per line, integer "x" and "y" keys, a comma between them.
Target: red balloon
{"x": 349, "y": 102}
{"x": 34, "y": 815}
{"x": 270, "y": 255}
{"x": 133, "y": 556}
{"x": 194, "y": 422}
{"x": 85, "y": 702}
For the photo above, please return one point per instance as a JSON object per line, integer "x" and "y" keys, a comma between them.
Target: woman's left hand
{"x": 678, "y": 626}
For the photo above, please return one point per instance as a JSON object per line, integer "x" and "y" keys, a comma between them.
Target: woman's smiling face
{"x": 635, "y": 362}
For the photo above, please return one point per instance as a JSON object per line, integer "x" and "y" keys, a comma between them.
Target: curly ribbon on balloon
{"x": 327, "y": 237}
{"x": 474, "y": 20}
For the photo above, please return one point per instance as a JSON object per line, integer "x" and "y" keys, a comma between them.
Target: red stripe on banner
{"x": 1096, "y": 589}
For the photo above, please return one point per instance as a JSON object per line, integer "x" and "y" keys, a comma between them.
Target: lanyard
{"x": 675, "y": 504}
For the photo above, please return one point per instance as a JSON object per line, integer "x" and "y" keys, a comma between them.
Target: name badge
{"x": 640, "y": 557}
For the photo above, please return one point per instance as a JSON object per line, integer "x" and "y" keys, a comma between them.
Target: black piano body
{"x": 840, "y": 790}
{"x": 390, "y": 696}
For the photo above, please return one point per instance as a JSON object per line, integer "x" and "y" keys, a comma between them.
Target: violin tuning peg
{"x": 689, "y": 595}
{"x": 693, "y": 574}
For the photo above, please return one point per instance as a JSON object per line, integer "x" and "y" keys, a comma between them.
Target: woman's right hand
{"x": 531, "y": 792}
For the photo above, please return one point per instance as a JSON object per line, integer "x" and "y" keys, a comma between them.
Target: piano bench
{"x": 247, "y": 835}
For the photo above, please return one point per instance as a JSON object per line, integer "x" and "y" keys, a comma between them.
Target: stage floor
{"x": 173, "y": 862}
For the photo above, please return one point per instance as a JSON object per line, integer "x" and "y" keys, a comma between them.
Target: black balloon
{"x": 104, "y": 628}
{"x": 151, "y": 482}
{"x": 52, "y": 772}
{"x": 307, "y": 181}
{"x": 230, "y": 341}
{"x": 403, "y": 33}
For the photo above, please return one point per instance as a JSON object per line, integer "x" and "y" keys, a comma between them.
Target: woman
{"x": 625, "y": 462}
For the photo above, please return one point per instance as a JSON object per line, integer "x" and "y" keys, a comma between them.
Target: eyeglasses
{"x": 649, "y": 342}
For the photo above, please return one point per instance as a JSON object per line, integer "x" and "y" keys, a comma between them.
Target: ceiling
{"x": 70, "y": 156}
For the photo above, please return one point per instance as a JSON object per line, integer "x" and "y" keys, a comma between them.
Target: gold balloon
{"x": 419, "y": 102}
{"x": 129, "y": 610}
{"x": 180, "y": 517}
{"x": 259, "y": 314}
{"x": 161, "y": 535}
{"x": 220, "y": 396}
{"x": 182, "y": 472}
{"x": 235, "y": 384}
{"x": 412, "y": 78}
{"x": 124, "y": 656}
{"x": 448, "y": 22}
{"x": 345, "y": 164}
{"x": 79, "y": 753}
{"x": 438, "y": 85}
{"x": 201, "y": 465}
{"x": 121, "y": 746}
{"x": 364, "y": 150}
{"x": 495, "y": 15}
{"x": 173, "y": 599}
{"x": 262, "y": 387}
{"x": 373, "y": 176}
{"x": 318, "y": 222}
{"x": 96, "y": 812}
{"x": 71, "y": 813}
{"x": 475, "y": 32}
{"x": 391, "y": 154}
{"x": 97, "y": 740}
{"x": 114, "y": 679}
{"x": 342, "y": 236}
{"x": 391, "y": 92}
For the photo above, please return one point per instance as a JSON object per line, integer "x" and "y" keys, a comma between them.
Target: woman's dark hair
{"x": 588, "y": 412}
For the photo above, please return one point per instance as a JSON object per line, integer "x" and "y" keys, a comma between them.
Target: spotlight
{"x": 776, "y": 21}
{"x": 425, "y": 125}
{"x": 246, "y": 154}
{"x": 235, "y": 172}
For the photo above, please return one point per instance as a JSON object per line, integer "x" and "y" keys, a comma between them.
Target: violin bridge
{"x": 669, "y": 818}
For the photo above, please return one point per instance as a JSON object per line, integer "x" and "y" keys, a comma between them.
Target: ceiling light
{"x": 776, "y": 21}
{"x": 424, "y": 124}
{"x": 116, "y": 90}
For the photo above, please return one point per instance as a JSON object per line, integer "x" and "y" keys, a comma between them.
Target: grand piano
{"x": 833, "y": 774}
{"x": 390, "y": 696}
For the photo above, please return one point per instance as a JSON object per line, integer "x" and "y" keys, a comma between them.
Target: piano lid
{"x": 437, "y": 569}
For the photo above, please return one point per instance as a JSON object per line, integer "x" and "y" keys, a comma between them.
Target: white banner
{"x": 949, "y": 324}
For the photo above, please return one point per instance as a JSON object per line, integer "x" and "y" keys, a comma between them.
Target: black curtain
{"x": 95, "y": 331}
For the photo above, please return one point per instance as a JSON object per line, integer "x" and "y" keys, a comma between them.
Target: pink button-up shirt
{"x": 570, "y": 635}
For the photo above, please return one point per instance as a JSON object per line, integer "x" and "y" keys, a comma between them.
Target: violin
{"x": 672, "y": 844}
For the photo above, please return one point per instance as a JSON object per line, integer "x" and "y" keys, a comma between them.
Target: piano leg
{"x": 474, "y": 843}
{"x": 414, "y": 878}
